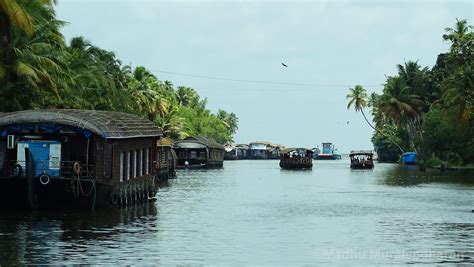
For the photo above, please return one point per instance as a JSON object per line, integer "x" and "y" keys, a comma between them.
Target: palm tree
{"x": 458, "y": 87}
{"x": 230, "y": 120}
{"x": 186, "y": 96}
{"x": 403, "y": 107}
{"x": 358, "y": 98}
{"x": 461, "y": 39}
{"x": 18, "y": 13}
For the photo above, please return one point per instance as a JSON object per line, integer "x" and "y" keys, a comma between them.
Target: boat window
{"x": 129, "y": 170}
{"x": 147, "y": 161}
{"x": 134, "y": 165}
{"x": 122, "y": 156}
{"x": 140, "y": 162}
{"x": 193, "y": 154}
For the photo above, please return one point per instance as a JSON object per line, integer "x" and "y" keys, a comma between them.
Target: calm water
{"x": 251, "y": 212}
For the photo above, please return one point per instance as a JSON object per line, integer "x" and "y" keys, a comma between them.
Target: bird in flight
{"x": 284, "y": 65}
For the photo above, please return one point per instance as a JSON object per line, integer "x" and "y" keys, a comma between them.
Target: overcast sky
{"x": 330, "y": 45}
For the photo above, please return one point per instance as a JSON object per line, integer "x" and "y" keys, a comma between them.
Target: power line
{"x": 258, "y": 81}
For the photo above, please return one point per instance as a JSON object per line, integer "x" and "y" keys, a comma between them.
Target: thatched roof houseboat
{"x": 199, "y": 152}
{"x": 62, "y": 152}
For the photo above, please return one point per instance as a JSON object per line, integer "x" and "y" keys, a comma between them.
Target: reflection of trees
{"x": 410, "y": 176}
{"x": 34, "y": 237}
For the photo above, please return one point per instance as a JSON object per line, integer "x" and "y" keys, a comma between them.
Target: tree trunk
{"x": 375, "y": 129}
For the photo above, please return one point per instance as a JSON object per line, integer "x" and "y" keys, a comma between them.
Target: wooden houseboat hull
{"x": 79, "y": 156}
{"x": 362, "y": 166}
{"x": 296, "y": 159}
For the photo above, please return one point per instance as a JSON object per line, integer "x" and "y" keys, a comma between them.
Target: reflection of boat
{"x": 296, "y": 158}
{"x": 409, "y": 158}
{"x": 361, "y": 159}
{"x": 329, "y": 152}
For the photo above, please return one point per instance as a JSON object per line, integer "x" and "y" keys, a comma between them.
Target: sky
{"x": 329, "y": 46}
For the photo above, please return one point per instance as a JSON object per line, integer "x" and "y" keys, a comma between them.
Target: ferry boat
{"x": 361, "y": 159}
{"x": 296, "y": 158}
{"x": 328, "y": 152}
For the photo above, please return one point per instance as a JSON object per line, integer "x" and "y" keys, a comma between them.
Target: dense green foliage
{"x": 429, "y": 111}
{"x": 38, "y": 69}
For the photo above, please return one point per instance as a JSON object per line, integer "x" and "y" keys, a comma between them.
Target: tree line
{"x": 428, "y": 111}
{"x": 39, "y": 69}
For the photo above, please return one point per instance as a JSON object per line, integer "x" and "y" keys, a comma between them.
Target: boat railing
{"x": 65, "y": 168}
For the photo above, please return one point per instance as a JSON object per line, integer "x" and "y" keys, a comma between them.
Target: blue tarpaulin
{"x": 409, "y": 158}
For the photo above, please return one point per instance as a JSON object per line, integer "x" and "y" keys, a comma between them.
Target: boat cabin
{"x": 76, "y": 149}
{"x": 166, "y": 159}
{"x": 328, "y": 152}
{"x": 258, "y": 150}
{"x": 361, "y": 159}
{"x": 199, "y": 152}
{"x": 296, "y": 158}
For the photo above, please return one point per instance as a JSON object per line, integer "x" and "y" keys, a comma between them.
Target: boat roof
{"x": 361, "y": 152}
{"x": 290, "y": 149}
{"x": 107, "y": 124}
{"x": 199, "y": 140}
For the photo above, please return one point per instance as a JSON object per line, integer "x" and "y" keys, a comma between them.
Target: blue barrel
{"x": 409, "y": 158}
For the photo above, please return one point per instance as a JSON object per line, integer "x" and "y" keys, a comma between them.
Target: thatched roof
{"x": 107, "y": 124}
{"x": 200, "y": 140}
{"x": 165, "y": 141}
{"x": 361, "y": 152}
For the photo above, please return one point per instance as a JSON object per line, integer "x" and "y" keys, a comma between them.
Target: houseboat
{"x": 361, "y": 159}
{"x": 258, "y": 150}
{"x": 199, "y": 152}
{"x": 238, "y": 151}
{"x": 328, "y": 152}
{"x": 274, "y": 150}
{"x": 84, "y": 156}
{"x": 296, "y": 158}
{"x": 409, "y": 158}
{"x": 166, "y": 159}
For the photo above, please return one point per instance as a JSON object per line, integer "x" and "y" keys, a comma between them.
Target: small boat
{"x": 362, "y": 159}
{"x": 329, "y": 152}
{"x": 296, "y": 158}
{"x": 409, "y": 158}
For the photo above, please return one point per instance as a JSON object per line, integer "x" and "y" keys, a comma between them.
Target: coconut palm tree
{"x": 403, "y": 107}
{"x": 358, "y": 98}
{"x": 458, "y": 88}
{"x": 461, "y": 38}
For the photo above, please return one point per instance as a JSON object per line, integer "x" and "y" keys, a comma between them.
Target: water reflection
{"x": 252, "y": 212}
{"x": 39, "y": 235}
{"x": 411, "y": 176}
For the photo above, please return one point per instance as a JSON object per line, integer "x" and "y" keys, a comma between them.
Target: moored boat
{"x": 361, "y": 159}
{"x": 199, "y": 152}
{"x": 296, "y": 158}
{"x": 77, "y": 157}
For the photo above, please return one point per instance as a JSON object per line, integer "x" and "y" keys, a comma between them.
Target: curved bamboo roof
{"x": 107, "y": 124}
{"x": 200, "y": 140}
